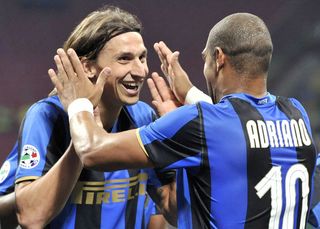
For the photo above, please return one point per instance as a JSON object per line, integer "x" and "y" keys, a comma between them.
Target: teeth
{"x": 131, "y": 85}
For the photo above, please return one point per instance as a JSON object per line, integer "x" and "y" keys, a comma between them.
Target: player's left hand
{"x": 178, "y": 79}
{"x": 71, "y": 81}
{"x": 162, "y": 97}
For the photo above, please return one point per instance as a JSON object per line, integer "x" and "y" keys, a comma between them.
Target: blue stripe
{"x": 164, "y": 124}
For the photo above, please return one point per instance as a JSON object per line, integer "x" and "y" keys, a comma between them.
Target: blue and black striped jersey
{"x": 247, "y": 162}
{"x": 314, "y": 217}
{"x": 100, "y": 199}
{"x": 8, "y": 171}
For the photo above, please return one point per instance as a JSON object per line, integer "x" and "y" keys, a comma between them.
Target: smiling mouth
{"x": 131, "y": 86}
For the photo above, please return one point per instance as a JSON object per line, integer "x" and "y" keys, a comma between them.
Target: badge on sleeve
{"x": 4, "y": 171}
{"x": 30, "y": 157}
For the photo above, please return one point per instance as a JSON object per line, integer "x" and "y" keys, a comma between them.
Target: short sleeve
{"x": 176, "y": 139}
{"x": 8, "y": 171}
{"x": 42, "y": 140}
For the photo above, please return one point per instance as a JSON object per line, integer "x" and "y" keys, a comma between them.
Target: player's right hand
{"x": 71, "y": 81}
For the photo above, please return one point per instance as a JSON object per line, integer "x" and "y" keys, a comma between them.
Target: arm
{"x": 165, "y": 199}
{"x": 153, "y": 218}
{"x": 39, "y": 201}
{"x": 8, "y": 211}
{"x": 8, "y": 217}
{"x": 157, "y": 222}
{"x": 102, "y": 151}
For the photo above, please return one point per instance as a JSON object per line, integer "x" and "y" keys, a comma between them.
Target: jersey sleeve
{"x": 176, "y": 139}
{"x": 8, "y": 171}
{"x": 304, "y": 114}
{"x": 42, "y": 141}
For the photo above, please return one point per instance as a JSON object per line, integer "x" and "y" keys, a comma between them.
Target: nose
{"x": 139, "y": 68}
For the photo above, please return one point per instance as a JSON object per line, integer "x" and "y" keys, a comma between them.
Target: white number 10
{"x": 272, "y": 181}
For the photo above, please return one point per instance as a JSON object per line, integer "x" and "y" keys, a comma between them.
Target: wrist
{"x": 195, "y": 95}
{"x": 79, "y": 105}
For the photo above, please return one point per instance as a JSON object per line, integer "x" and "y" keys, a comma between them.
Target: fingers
{"x": 175, "y": 64}
{"x": 102, "y": 77}
{"x": 76, "y": 64}
{"x": 55, "y": 80}
{"x": 163, "y": 59}
{"x": 154, "y": 91}
{"x": 62, "y": 76}
{"x": 164, "y": 48}
{"x": 163, "y": 90}
{"x": 68, "y": 68}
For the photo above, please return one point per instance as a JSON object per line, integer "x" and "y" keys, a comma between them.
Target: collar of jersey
{"x": 264, "y": 101}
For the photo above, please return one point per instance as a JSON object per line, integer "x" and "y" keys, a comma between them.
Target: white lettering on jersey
{"x": 280, "y": 133}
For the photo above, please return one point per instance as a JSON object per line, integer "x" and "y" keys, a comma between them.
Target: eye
{"x": 143, "y": 58}
{"x": 124, "y": 59}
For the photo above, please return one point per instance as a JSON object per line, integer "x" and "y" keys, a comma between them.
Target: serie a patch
{"x": 4, "y": 171}
{"x": 30, "y": 157}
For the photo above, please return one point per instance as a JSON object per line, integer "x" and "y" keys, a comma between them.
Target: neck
{"x": 109, "y": 113}
{"x": 255, "y": 86}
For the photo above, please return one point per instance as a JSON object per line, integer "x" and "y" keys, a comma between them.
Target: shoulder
{"x": 141, "y": 113}
{"x": 179, "y": 117}
{"x": 48, "y": 107}
{"x": 140, "y": 107}
{"x": 297, "y": 104}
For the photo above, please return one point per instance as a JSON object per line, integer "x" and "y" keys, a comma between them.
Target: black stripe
{"x": 131, "y": 207}
{"x": 176, "y": 148}
{"x": 200, "y": 183}
{"x": 126, "y": 122}
{"x": 89, "y": 215}
{"x": 58, "y": 143}
{"x": 257, "y": 208}
{"x": 306, "y": 155}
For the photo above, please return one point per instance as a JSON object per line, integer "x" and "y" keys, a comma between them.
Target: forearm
{"x": 40, "y": 201}
{"x": 7, "y": 205}
{"x": 165, "y": 199}
{"x": 157, "y": 222}
{"x": 102, "y": 151}
{"x": 8, "y": 217}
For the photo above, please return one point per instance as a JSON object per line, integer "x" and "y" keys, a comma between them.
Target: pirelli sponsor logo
{"x": 110, "y": 191}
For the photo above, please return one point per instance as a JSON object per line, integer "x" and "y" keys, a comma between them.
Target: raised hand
{"x": 171, "y": 68}
{"x": 71, "y": 81}
{"x": 162, "y": 97}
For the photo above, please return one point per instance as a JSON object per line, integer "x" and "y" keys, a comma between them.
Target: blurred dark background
{"x": 32, "y": 30}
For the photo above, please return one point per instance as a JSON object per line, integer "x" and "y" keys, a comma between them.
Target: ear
{"x": 220, "y": 58}
{"x": 89, "y": 67}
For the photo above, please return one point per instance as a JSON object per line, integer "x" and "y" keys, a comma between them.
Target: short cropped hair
{"x": 93, "y": 32}
{"x": 246, "y": 41}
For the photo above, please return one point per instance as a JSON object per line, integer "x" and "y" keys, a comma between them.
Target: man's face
{"x": 126, "y": 55}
